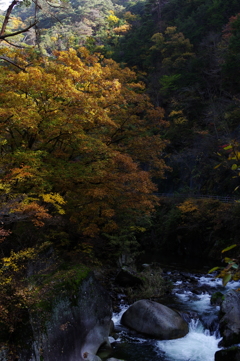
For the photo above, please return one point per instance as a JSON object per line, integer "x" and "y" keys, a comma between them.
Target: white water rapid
{"x": 197, "y": 345}
{"x": 192, "y": 296}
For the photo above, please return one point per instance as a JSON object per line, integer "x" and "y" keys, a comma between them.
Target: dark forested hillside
{"x": 189, "y": 52}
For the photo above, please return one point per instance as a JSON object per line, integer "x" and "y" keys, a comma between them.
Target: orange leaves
{"x": 37, "y": 213}
{"x": 20, "y": 173}
{"x": 4, "y": 233}
{"x": 80, "y": 126}
{"x": 229, "y": 28}
{"x": 98, "y": 193}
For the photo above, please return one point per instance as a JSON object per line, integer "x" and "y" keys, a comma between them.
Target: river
{"x": 191, "y": 294}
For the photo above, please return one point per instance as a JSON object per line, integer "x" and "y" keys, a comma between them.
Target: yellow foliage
{"x": 5, "y": 187}
{"x": 122, "y": 29}
{"x": 158, "y": 39}
{"x": 55, "y": 199}
{"x": 188, "y": 206}
{"x": 112, "y": 19}
{"x": 15, "y": 23}
{"x": 17, "y": 259}
{"x": 178, "y": 117}
{"x": 130, "y": 17}
{"x": 138, "y": 229}
{"x": 171, "y": 30}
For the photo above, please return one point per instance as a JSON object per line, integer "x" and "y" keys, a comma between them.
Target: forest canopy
{"x": 75, "y": 133}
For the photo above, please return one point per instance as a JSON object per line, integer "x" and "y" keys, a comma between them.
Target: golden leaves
{"x": 122, "y": 29}
{"x": 178, "y": 117}
{"x": 55, "y": 199}
{"x": 188, "y": 206}
{"x": 80, "y": 125}
{"x": 16, "y": 260}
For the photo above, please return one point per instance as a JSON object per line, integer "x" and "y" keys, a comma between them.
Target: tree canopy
{"x": 77, "y": 132}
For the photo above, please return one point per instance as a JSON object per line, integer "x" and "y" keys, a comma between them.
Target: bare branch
{"x": 2, "y": 37}
{"x": 16, "y": 46}
{"x": 12, "y": 62}
{"x": 7, "y": 17}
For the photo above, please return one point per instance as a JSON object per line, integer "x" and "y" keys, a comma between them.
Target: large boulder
{"x": 229, "y": 325}
{"x": 77, "y": 326}
{"x": 155, "y": 320}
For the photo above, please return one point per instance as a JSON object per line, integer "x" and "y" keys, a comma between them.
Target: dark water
{"x": 136, "y": 351}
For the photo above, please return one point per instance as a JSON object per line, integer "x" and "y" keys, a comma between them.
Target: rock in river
{"x": 155, "y": 320}
{"x": 230, "y": 319}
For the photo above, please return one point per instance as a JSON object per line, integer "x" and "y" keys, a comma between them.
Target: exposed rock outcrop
{"x": 155, "y": 320}
{"x": 76, "y": 328}
{"x": 229, "y": 325}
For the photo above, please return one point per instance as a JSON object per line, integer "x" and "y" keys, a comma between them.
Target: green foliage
{"x": 231, "y": 270}
{"x": 191, "y": 228}
{"x": 153, "y": 287}
{"x": 73, "y": 23}
{"x": 196, "y": 18}
{"x": 169, "y": 83}
{"x": 217, "y": 298}
{"x": 124, "y": 242}
{"x": 229, "y": 247}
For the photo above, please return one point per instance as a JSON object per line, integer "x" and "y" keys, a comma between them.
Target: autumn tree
{"x": 78, "y": 135}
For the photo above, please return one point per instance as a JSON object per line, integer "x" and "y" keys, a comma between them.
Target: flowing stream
{"x": 191, "y": 295}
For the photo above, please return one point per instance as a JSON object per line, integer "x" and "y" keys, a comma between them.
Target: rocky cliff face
{"x": 74, "y": 329}
{"x": 77, "y": 327}
{"x": 229, "y": 325}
